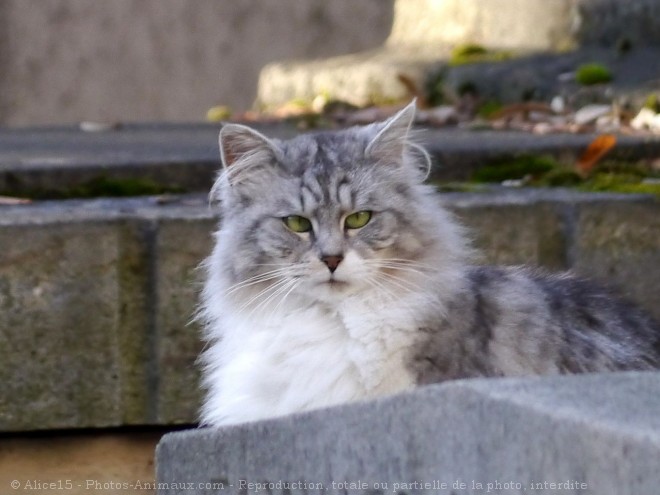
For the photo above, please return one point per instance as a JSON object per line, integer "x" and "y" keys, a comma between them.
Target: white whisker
{"x": 401, "y": 283}
{"x": 380, "y": 287}
{"x": 263, "y": 293}
{"x": 262, "y": 277}
{"x": 282, "y": 287}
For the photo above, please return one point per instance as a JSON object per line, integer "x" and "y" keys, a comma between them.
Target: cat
{"x": 337, "y": 275}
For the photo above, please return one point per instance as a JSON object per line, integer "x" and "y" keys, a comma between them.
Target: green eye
{"x": 297, "y": 223}
{"x": 357, "y": 220}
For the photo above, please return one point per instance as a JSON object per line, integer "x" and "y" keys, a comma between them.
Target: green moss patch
{"x": 545, "y": 171}
{"x": 474, "y": 53}
{"x": 593, "y": 73}
{"x": 100, "y": 187}
{"x": 515, "y": 168}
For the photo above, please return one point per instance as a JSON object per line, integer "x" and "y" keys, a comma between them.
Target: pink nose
{"x": 332, "y": 262}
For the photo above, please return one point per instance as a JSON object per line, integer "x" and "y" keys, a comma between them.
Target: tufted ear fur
{"x": 246, "y": 156}
{"x": 240, "y": 144}
{"x": 392, "y": 144}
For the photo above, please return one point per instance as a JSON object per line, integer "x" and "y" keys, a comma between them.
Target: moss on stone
{"x": 101, "y": 187}
{"x": 515, "y": 168}
{"x": 489, "y": 108}
{"x": 620, "y": 183}
{"x": 652, "y": 102}
{"x": 545, "y": 171}
{"x": 473, "y": 53}
{"x": 457, "y": 186}
{"x": 593, "y": 73}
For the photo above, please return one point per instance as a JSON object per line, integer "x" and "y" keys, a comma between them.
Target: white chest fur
{"x": 305, "y": 358}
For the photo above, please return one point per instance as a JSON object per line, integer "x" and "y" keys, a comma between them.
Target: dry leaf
{"x": 411, "y": 87}
{"x": 596, "y": 150}
{"x": 523, "y": 109}
{"x": 10, "y": 201}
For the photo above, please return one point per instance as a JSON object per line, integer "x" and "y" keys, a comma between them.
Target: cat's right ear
{"x": 240, "y": 144}
{"x": 243, "y": 153}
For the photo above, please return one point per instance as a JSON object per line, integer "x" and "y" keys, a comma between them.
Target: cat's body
{"x": 337, "y": 276}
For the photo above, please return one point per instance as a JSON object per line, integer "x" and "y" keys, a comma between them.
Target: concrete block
{"x": 525, "y": 24}
{"x": 181, "y": 245}
{"x": 512, "y": 24}
{"x": 96, "y": 296}
{"x": 186, "y": 156}
{"x": 619, "y": 242}
{"x": 588, "y": 434}
{"x": 68, "y": 360}
{"x": 514, "y": 234}
{"x": 361, "y": 79}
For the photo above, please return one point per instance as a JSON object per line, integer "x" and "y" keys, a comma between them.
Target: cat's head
{"x": 328, "y": 214}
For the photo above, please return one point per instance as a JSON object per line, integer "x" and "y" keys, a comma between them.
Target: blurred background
{"x": 64, "y": 61}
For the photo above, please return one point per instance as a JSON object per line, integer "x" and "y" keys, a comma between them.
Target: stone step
{"x": 622, "y": 35}
{"x": 536, "y": 25}
{"x": 96, "y": 296}
{"x": 589, "y": 434}
{"x": 186, "y": 156}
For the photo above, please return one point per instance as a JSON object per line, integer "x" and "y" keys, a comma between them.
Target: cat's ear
{"x": 392, "y": 144}
{"x": 240, "y": 144}
{"x": 392, "y": 139}
{"x": 245, "y": 155}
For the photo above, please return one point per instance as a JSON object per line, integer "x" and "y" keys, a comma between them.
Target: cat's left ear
{"x": 239, "y": 144}
{"x": 392, "y": 143}
{"x": 247, "y": 156}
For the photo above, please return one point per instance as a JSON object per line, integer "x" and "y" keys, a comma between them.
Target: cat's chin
{"x": 331, "y": 289}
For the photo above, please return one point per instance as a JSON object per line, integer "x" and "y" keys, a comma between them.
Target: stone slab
{"x": 517, "y": 234}
{"x": 595, "y": 434}
{"x": 96, "y": 296}
{"x": 94, "y": 312}
{"x": 186, "y": 156}
{"x": 61, "y": 328}
{"x": 525, "y": 24}
{"x": 56, "y": 159}
{"x": 567, "y": 33}
{"x": 361, "y": 79}
{"x": 180, "y": 247}
{"x": 618, "y": 250}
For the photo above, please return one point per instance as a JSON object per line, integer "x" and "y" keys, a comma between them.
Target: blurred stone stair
{"x": 425, "y": 31}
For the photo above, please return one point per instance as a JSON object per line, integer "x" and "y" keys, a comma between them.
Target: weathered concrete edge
{"x": 601, "y": 429}
{"x": 196, "y": 206}
{"x": 186, "y": 157}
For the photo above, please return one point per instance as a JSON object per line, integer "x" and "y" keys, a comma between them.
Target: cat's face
{"x": 323, "y": 215}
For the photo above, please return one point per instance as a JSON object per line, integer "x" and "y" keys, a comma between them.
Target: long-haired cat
{"x": 338, "y": 276}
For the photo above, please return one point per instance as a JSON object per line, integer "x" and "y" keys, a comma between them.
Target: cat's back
{"x": 511, "y": 321}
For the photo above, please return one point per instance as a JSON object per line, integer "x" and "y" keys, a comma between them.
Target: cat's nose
{"x": 332, "y": 261}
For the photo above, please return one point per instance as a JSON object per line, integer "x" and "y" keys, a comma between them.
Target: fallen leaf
{"x": 413, "y": 90}
{"x": 523, "y": 109}
{"x": 10, "y": 201}
{"x": 590, "y": 113}
{"x": 218, "y": 113}
{"x": 595, "y": 152}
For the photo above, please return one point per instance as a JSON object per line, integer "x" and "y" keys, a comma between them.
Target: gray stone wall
{"x": 128, "y": 60}
{"x": 96, "y": 297}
